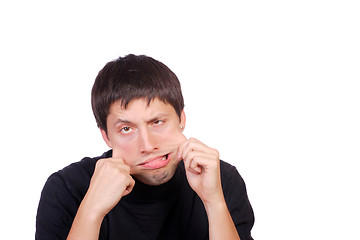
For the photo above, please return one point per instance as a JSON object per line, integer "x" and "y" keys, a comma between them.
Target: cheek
{"x": 173, "y": 137}
{"x": 125, "y": 150}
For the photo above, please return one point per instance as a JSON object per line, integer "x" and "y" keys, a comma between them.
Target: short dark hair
{"x": 134, "y": 77}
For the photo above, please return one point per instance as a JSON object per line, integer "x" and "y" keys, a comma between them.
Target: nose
{"x": 147, "y": 142}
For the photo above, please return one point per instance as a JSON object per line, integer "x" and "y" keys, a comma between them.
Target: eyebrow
{"x": 122, "y": 121}
{"x": 153, "y": 119}
{"x": 157, "y": 117}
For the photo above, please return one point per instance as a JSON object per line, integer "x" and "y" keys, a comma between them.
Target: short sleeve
{"x": 56, "y": 211}
{"x": 237, "y": 200}
{"x": 61, "y": 198}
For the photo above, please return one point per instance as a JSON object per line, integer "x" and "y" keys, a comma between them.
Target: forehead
{"x": 140, "y": 109}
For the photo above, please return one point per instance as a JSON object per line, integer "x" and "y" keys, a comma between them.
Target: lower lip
{"x": 157, "y": 163}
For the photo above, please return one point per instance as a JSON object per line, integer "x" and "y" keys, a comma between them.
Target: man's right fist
{"x": 110, "y": 182}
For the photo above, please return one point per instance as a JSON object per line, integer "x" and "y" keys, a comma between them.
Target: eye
{"x": 158, "y": 122}
{"x": 126, "y": 130}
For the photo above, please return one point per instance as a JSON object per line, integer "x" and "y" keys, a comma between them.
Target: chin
{"x": 158, "y": 176}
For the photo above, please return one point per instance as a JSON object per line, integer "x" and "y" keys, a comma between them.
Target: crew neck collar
{"x": 148, "y": 193}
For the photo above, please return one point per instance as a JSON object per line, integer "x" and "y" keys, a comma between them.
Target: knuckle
{"x": 100, "y": 163}
{"x": 132, "y": 181}
{"x": 216, "y": 152}
{"x": 106, "y": 164}
{"x": 192, "y": 140}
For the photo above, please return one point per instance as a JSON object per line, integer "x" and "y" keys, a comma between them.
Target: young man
{"x": 154, "y": 183}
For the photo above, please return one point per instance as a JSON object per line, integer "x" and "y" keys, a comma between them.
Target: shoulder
{"x": 231, "y": 180}
{"x": 225, "y": 166}
{"x": 74, "y": 178}
{"x": 237, "y": 200}
{"x": 60, "y": 198}
{"x": 229, "y": 172}
{"x": 87, "y": 164}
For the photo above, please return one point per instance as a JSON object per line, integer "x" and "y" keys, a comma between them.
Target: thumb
{"x": 116, "y": 153}
{"x": 180, "y": 147}
{"x": 129, "y": 187}
{"x": 117, "y": 156}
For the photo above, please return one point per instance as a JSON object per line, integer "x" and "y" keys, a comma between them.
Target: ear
{"x": 182, "y": 120}
{"x": 106, "y": 138}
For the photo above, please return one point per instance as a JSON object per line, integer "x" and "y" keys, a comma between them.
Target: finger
{"x": 198, "y": 161}
{"x": 122, "y": 166}
{"x": 129, "y": 187}
{"x": 110, "y": 163}
{"x": 196, "y": 171}
{"x": 191, "y": 145}
{"x": 180, "y": 148}
{"x": 194, "y": 145}
{"x": 119, "y": 160}
{"x": 195, "y": 167}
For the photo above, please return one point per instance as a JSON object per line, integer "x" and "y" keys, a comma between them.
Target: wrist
{"x": 86, "y": 224}
{"x": 221, "y": 225}
{"x": 215, "y": 205}
{"x": 91, "y": 211}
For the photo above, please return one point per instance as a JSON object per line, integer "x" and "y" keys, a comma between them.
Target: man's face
{"x": 146, "y": 137}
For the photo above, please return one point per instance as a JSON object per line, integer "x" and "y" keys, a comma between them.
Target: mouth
{"x": 157, "y": 162}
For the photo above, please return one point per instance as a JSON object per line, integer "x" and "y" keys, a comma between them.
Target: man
{"x": 154, "y": 183}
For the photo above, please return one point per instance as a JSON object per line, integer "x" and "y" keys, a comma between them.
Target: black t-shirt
{"x": 169, "y": 211}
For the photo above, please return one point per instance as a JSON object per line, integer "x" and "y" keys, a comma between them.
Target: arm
{"x": 86, "y": 225}
{"x": 221, "y": 225}
{"x": 111, "y": 181}
{"x": 202, "y": 166}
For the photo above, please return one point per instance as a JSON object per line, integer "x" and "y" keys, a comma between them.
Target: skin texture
{"x": 140, "y": 136}
{"x": 142, "y": 132}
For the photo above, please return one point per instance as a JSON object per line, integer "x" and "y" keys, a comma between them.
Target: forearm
{"x": 221, "y": 225}
{"x": 86, "y": 225}
{"x": 111, "y": 180}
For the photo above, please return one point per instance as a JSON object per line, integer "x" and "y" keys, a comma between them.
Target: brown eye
{"x": 158, "y": 122}
{"x": 126, "y": 130}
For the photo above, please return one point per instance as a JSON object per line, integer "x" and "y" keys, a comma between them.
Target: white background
{"x": 273, "y": 85}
